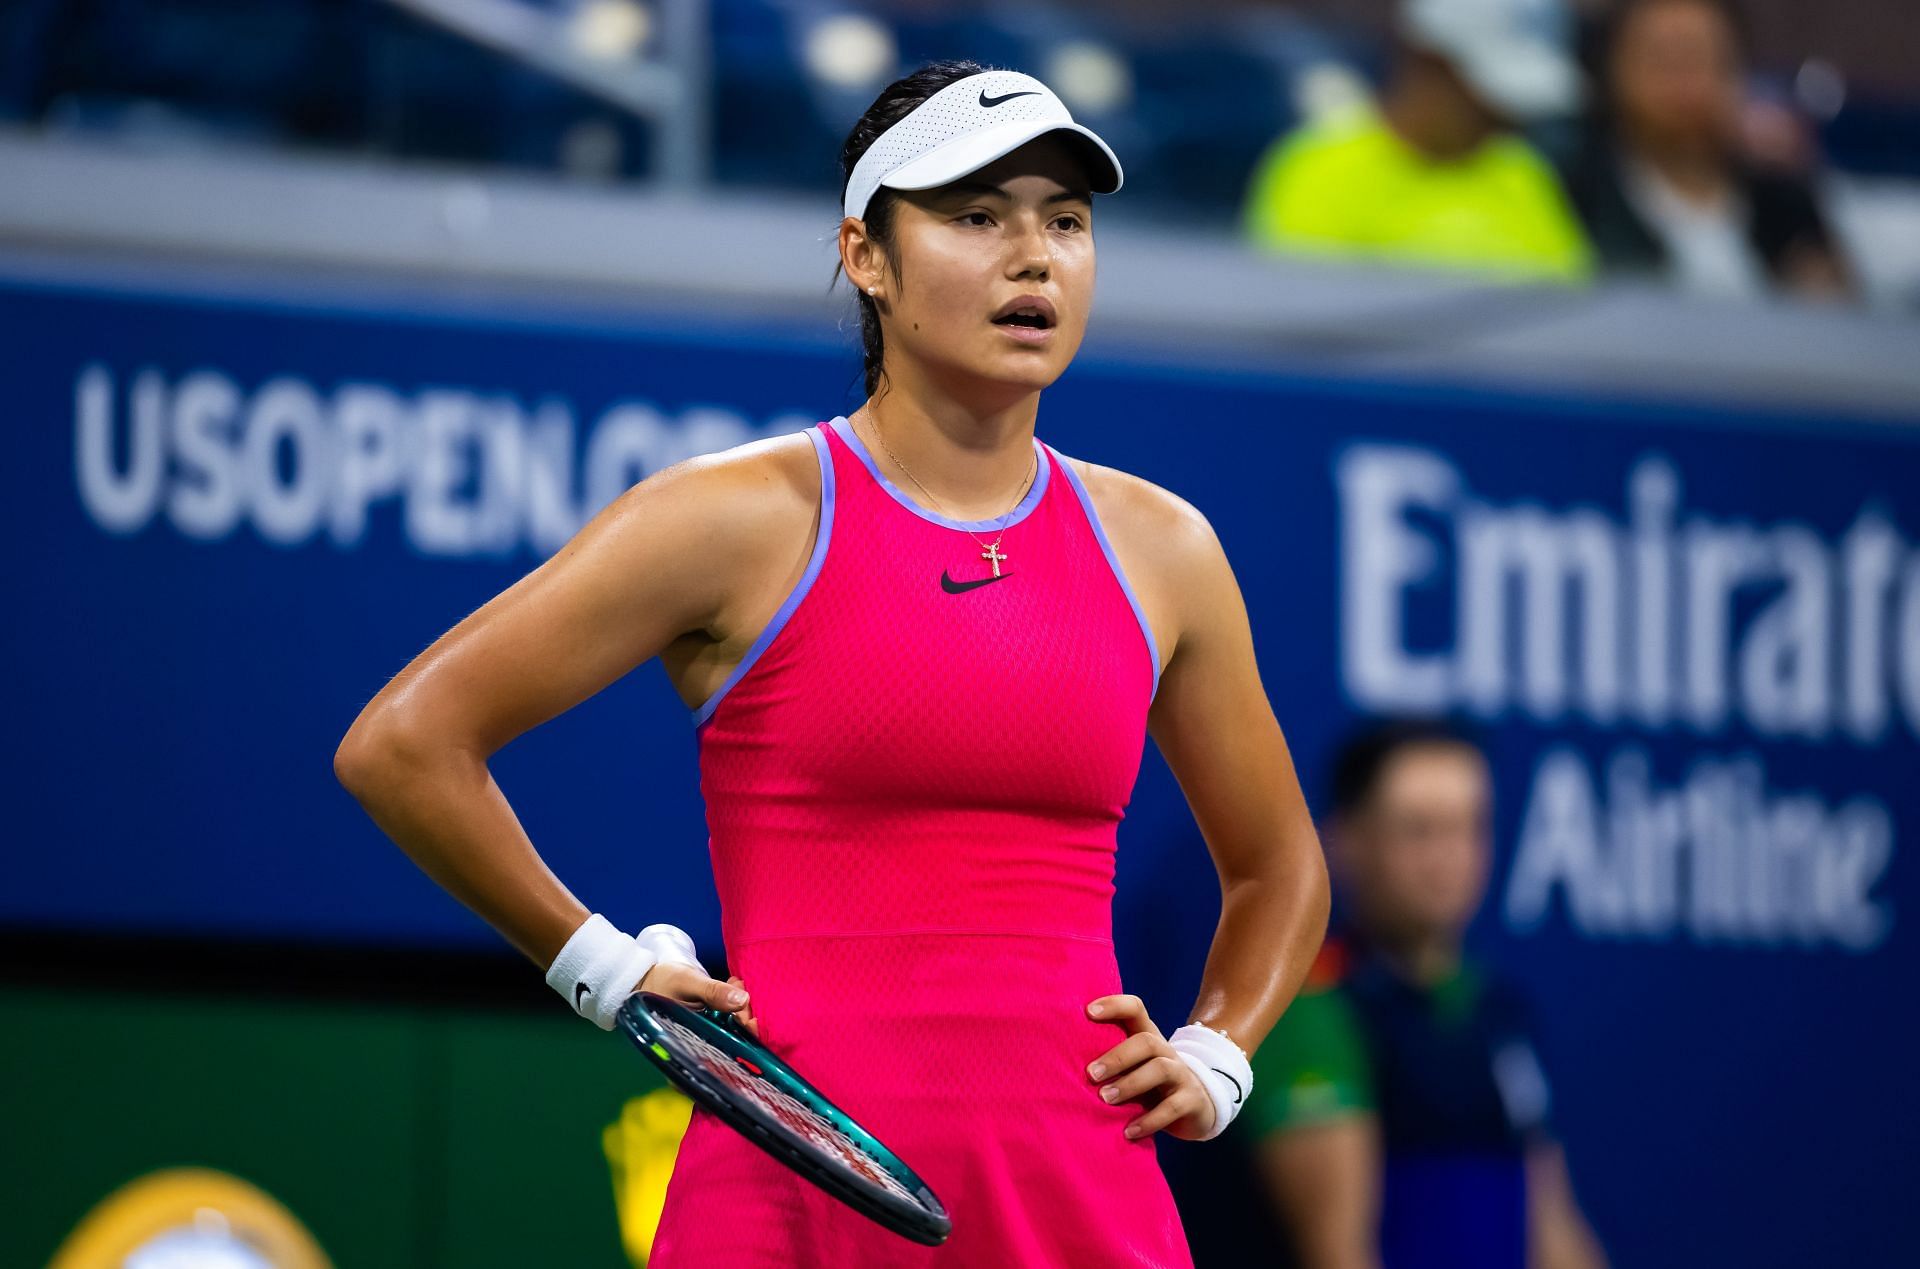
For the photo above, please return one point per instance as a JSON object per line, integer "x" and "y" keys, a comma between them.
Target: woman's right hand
{"x": 692, "y": 986}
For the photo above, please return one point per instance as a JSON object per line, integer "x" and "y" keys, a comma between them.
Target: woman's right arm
{"x": 666, "y": 559}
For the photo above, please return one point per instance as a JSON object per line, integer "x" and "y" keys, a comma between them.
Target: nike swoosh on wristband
{"x": 579, "y": 990}
{"x": 1229, "y": 1079}
{"x": 991, "y": 102}
{"x": 954, "y": 588}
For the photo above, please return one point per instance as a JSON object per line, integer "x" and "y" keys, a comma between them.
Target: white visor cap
{"x": 1511, "y": 52}
{"x": 965, "y": 126}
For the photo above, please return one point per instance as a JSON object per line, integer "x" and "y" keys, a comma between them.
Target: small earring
{"x": 873, "y": 290}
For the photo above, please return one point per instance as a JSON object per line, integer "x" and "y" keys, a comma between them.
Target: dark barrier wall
{"x": 1694, "y": 635}
{"x": 395, "y": 1135}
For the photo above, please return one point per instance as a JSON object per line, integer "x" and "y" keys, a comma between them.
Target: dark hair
{"x": 1601, "y": 34}
{"x": 1597, "y": 44}
{"x": 895, "y": 102}
{"x": 1363, "y": 755}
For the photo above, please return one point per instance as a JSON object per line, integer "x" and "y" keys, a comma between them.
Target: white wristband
{"x": 600, "y": 967}
{"x": 1223, "y": 1070}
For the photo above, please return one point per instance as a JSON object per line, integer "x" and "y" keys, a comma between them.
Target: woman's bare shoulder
{"x": 693, "y": 539}
{"x": 742, "y": 500}
{"x": 782, "y": 465}
{"x": 680, "y": 553}
{"x": 1159, "y": 523}
{"x": 749, "y": 511}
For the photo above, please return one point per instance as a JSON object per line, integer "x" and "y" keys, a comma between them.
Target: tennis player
{"x": 921, "y": 649}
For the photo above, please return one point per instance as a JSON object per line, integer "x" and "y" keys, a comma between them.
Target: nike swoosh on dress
{"x": 953, "y": 587}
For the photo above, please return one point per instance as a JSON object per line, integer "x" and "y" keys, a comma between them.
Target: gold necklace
{"x": 992, "y": 551}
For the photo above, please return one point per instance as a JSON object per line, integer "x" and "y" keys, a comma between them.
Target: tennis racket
{"x": 711, "y": 1057}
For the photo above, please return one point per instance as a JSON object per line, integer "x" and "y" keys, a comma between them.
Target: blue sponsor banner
{"x": 1693, "y": 635}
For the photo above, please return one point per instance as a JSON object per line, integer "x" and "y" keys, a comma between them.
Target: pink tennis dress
{"x": 912, "y": 783}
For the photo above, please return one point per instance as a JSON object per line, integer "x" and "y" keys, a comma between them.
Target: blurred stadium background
{"x": 321, "y": 321}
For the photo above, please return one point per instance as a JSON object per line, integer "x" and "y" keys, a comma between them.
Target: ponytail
{"x": 895, "y": 102}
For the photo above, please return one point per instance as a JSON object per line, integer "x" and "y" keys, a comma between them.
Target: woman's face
{"x": 967, "y": 252}
{"x": 1676, "y": 75}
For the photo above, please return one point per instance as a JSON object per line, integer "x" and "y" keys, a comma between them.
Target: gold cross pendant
{"x": 993, "y": 553}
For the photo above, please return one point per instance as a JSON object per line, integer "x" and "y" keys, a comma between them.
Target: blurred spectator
{"x": 1435, "y": 173}
{"x": 1669, "y": 184}
{"x": 1399, "y": 1113}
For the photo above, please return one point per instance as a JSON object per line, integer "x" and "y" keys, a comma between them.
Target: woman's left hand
{"x": 1145, "y": 1065}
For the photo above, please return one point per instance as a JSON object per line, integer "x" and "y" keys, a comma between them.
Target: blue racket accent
{"x": 708, "y": 1055}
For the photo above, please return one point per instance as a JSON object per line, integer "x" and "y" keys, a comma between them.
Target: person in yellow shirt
{"x": 1435, "y": 173}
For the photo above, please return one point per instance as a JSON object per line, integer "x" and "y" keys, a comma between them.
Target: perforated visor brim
{"x": 968, "y": 154}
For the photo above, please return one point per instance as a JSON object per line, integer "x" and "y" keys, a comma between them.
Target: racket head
{"x": 708, "y": 1055}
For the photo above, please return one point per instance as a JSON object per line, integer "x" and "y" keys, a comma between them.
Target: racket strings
{"x": 790, "y": 1111}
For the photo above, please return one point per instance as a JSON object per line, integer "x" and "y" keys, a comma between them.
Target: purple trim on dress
{"x": 840, "y": 424}
{"x": 800, "y": 588}
{"x": 1106, "y": 547}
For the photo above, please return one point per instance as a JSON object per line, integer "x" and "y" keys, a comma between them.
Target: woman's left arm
{"x": 1217, "y": 731}
{"x": 1214, "y": 726}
